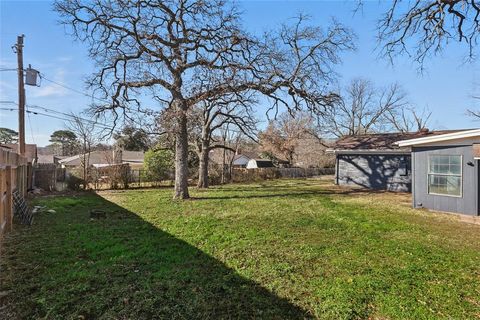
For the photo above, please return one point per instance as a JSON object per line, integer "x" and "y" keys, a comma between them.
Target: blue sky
{"x": 446, "y": 88}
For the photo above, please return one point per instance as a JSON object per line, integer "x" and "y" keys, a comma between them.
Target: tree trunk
{"x": 203, "y": 166}
{"x": 181, "y": 152}
{"x": 223, "y": 181}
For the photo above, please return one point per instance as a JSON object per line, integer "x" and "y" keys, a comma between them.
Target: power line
{"x": 30, "y": 125}
{"x": 56, "y": 117}
{"x": 72, "y": 89}
{"x": 9, "y": 109}
{"x": 42, "y": 76}
{"x": 36, "y": 113}
{"x": 62, "y": 114}
{"x": 70, "y": 116}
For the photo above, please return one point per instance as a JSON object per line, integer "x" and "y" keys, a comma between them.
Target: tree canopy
{"x": 132, "y": 139}
{"x": 67, "y": 140}
{"x": 8, "y": 135}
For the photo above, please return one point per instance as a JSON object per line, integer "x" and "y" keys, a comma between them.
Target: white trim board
{"x": 369, "y": 151}
{"x": 440, "y": 138}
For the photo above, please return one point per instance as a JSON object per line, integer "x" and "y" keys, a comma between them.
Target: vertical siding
{"x": 388, "y": 172}
{"x": 467, "y": 203}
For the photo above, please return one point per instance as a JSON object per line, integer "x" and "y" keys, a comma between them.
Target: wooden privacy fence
{"x": 14, "y": 175}
{"x": 47, "y": 175}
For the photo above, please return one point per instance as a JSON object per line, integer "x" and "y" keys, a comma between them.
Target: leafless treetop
{"x": 172, "y": 46}
{"x": 428, "y": 26}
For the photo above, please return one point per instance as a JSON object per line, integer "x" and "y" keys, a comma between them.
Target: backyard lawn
{"x": 285, "y": 249}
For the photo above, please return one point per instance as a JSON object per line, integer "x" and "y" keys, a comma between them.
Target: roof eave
{"x": 369, "y": 151}
{"x": 439, "y": 138}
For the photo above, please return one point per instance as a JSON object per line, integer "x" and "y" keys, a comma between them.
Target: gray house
{"x": 445, "y": 171}
{"x": 376, "y": 161}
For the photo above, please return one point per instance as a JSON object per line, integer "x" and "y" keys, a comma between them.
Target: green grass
{"x": 281, "y": 249}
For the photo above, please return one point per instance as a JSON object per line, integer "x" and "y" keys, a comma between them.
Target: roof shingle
{"x": 383, "y": 141}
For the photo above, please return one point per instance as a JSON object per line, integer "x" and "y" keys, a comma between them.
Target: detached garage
{"x": 376, "y": 161}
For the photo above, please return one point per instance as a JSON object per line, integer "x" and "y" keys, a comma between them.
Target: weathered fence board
{"x": 46, "y": 176}
{"x": 14, "y": 175}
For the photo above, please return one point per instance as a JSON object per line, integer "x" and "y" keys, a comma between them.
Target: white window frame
{"x": 446, "y": 174}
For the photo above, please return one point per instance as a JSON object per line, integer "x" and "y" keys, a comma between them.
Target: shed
{"x": 260, "y": 163}
{"x": 445, "y": 171}
{"x": 376, "y": 161}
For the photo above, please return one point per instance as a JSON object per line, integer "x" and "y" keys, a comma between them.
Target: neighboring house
{"x": 49, "y": 158}
{"x": 241, "y": 160}
{"x": 133, "y": 158}
{"x": 238, "y": 160}
{"x": 259, "y": 163}
{"x": 446, "y": 171}
{"x": 375, "y": 161}
{"x": 30, "y": 150}
{"x": 105, "y": 158}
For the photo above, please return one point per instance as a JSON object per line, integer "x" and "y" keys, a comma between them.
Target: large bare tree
{"x": 233, "y": 111}
{"x": 169, "y": 48}
{"x": 409, "y": 119}
{"x": 363, "y": 108}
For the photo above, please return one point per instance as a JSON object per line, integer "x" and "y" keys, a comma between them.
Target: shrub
{"x": 74, "y": 183}
{"x": 158, "y": 164}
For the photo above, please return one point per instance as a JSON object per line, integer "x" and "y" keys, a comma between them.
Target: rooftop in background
{"x": 30, "y": 150}
{"x": 100, "y": 157}
{"x": 133, "y": 156}
{"x": 383, "y": 141}
{"x": 247, "y": 154}
{"x": 49, "y": 158}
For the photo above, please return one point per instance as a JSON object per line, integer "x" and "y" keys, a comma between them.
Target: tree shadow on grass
{"x": 259, "y": 196}
{"x": 274, "y": 193}
{"x": 69, "y": 266}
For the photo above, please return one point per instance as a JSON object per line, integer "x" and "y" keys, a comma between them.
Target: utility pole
{"x": 21, "y": 97}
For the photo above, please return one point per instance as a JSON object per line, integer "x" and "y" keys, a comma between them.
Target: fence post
{"x": 2, "y": 204}
{"x": 29, "y": 175}
{"x": 9, "y": 199}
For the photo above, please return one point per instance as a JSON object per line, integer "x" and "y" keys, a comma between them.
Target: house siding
{"x": 467, "y": 203}
{"x": 388, "y": 172}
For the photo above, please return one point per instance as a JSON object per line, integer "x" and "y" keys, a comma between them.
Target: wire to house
{"x": 31, "y": 129}
{"x": 61, "y": 116}
{"x": 60, "y": 113}
{"x": 37, "y": 113}
{"x": 42, "y": 76}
